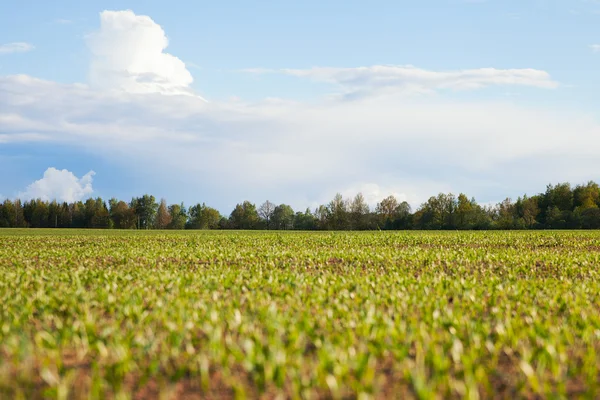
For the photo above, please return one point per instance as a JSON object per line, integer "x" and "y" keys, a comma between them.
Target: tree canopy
{"x": 561, "y": 206}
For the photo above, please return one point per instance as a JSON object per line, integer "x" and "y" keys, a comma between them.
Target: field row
{"x": 303, "y": 315}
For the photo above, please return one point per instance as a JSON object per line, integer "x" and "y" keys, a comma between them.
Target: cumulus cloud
{"x": 595, "y": 48}
{"x": 378, "y": 79}
{"x": 128, "y": 54}
{"x": 17, "y": 47}
{"x": 61, "y": 185}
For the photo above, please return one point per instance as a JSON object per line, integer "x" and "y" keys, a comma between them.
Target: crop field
{"x": 155, "y": 314}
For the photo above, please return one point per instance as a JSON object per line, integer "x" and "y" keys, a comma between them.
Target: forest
{"x": 561, "y": 206}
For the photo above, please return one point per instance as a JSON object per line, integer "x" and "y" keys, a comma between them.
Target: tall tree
{"x": 305, "y": 221}
{"x": 96, "y": 214}
{"x": 163, "y": 217}
{"x": 283, "y": 217}
{"x": 8, "y": 216}
{"x": 265, "y": 211}
{"x": 587, "y": 196}
{"x": 527, "y": 211}
{"x": 204, "y": 217}
{"x": 359, "y": 210}
{"x": 338, "y": 213}
{"x": 145, "y": 209}
{"x": 386, "y": 208}
{"x": 321, "y": 217}
{"x": 122, "y": 215}
{"x": 179, "y": 216}
{"x": 244, "y": 216}
{"x": 505, "y": 214}
{"x": 19, "y": 215}
{"x": 403, "y": 215}
{"x": 464, "y": 212}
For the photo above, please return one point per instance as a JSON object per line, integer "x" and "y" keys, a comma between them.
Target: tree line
{"x": 561, "y": 206}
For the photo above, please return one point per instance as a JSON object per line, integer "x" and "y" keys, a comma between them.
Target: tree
{"x": 403, "y": 218}
{"x": 145, "y": 209}
{"x": 54, "y": 210}
{"x": 163, "y": 217}
{"x": 337, "y": 211}
{"x": 77, "y": 211}
{"x": 19, "y": 215}
{"x": 204, "y": 217}
{"x": 386, "y": 209}
{"x": 8, "y": 215}
{"x": 591, "y": 218}
{"x": 506, "y": 214}
{"x": 96, "y": 214}
{"x": 559, "y": 196}
{"x": 283, "y": 217}
{"x": 464, "y": 212}
{"x": 587, "y": 196}
{"x": 359, "y": 211}
{"x": 528, "y": 211}
{"x": 36, "y": 213}
{"x": 265, "y": 211}
{"x": 305, "y": 221}
{"x": 179, "y": 217}
{"x": 122, "y": 216}
{"x": 321, "y": 214}
{"x": 437, "y": 213}
{"x": 244, "y": 216}
{"x": 554, "y": 218}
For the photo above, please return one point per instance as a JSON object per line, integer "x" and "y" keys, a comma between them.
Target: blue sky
{"x": 303, "y": 99}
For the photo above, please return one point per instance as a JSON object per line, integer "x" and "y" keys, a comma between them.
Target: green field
{"x": 113, "y": 314}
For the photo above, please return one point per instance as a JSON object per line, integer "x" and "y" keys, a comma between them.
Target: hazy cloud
{"x": 16, "y": 47}
{"x": 382, "y": 79}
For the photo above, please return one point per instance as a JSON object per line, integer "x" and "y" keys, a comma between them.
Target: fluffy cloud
{"x": 17, "y": 47}
{"x": 128, "y": 54}
{"x": 595, "y": 48}
{"x": 61, "y": 185}
{"x": 378, "y": 79}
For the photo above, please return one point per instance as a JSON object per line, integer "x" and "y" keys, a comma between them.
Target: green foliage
{"x": 163, "y": 216}
{"x": 204, "y": 217}
{"x": 179, "y": 216}
{"x": 122, "y": 216}
{"x": 159, "y": 314}
{"x": 560, "y": 207}
{"x": 244, "y": 216}
{"x": 283, "y": 217}
{"x": 145, "y": 209}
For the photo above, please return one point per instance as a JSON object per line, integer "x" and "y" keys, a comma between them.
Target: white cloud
{"x": 128, "y": 54}
{"x": 595, "y": 48}
{"x": 380, "y": 79}
{"x": 300, "y": 153}
{"x": 17, "y": 47}
{"x": 61, "y": 185}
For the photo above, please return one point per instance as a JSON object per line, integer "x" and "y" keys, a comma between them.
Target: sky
{"x": 294, "y": 101}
